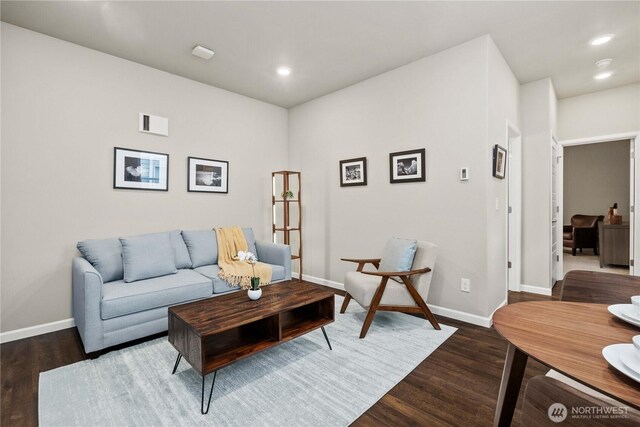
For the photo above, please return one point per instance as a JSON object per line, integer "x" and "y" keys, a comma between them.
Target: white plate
{"x": 629, "y": 312}
{"x": 631, "y": 359}
{"x": 612, "y": 355}
{"x": 620, "y": 311}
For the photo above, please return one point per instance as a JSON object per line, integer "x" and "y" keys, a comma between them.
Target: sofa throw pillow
{"x": 147, "y": 256}
{"x": 251, "y": 240}
{"x": 202, "y": 246}
{"x": 105, "y": 255}
{"x": 180, "y": 250}
{"x": 398, "y": 255}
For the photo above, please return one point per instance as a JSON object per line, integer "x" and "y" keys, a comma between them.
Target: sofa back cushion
{"x": 105, "y": 255}
{"x": 202, "y": 246}
{"x": 251, "y": 240}
{"x": 147, "y": 256}
{"x": 180, "y": 250}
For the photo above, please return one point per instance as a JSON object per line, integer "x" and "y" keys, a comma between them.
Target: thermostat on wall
{"x": 153, "y": 124}
{"x": 464, "y": 174}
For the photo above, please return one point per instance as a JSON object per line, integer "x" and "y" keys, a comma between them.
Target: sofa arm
{"x": 87, "y": 295}
{"x": 275, "y": 253}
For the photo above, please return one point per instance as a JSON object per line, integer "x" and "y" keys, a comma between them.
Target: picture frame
{"x": 499, "y": 161}
{"x": 407, "y": 166}
{"x": 207, "y": 175}
{"x": 353, "y": 172}
{"x": 140, "y": 170}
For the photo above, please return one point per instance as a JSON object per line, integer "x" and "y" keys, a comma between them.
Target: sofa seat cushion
{"x": 362, "y": 288}
{"x": 567, "y": 236}
{"x": 220, "y": 286}
{"x": 120, "y": 298}
{"x": 277, "y": 272}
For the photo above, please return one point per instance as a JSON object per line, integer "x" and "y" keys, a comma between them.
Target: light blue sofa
{"x": 122, "y": 288}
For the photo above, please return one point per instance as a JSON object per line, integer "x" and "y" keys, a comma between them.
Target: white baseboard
{"x": 31, "y": 331}
{"x": 442, "y": 311}
{"x": 474, "y": 319}
{"x": 535, "y": 290}
{"x": 320, "y": 281}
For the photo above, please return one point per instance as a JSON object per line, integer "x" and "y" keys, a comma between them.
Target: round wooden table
{"x": 567, "y": 337}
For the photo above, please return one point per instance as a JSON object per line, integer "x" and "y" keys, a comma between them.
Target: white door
{"x": 556, "y": 221}
{"x": 514, "y": 213}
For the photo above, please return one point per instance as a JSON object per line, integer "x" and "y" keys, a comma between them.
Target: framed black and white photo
{"x": 499, "y": 161}
{"x": 207, "y": 175}
{"x": 353, "y": 172}
{"x": 140, "y": 170}
{"x": 407, "y": 166}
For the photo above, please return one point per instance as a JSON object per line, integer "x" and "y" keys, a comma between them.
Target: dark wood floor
{"x": 456, "y": 385}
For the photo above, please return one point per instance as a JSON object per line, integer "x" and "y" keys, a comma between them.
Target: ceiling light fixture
{"x": 603, "y": 75}
{"x": 284, "y": 71}
{"x": 202, "y": 52}
{"x": 603, "y": 63}
{"x": 597, "y": 41}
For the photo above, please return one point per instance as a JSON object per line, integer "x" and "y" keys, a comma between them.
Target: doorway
{"x": 593, "y": 174}
{"x": 514, "y": 208}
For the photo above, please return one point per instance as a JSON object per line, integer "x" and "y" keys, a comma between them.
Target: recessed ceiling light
{"x": 604, "y": 63}
{"x": 284, "y": 71}
{"x": 597, "y": 41}
{"x": 202, "y": 52}
{"x": 603, "y": 75}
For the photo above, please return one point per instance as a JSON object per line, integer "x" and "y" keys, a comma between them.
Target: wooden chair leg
{"x": 345, "y": 303}
{"x": 423, "y": 306}
{"x": 375, "y": 301}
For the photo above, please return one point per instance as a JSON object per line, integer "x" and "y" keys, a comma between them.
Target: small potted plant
{"x": 286, "y": 194}
{"x": 254, "y": 292}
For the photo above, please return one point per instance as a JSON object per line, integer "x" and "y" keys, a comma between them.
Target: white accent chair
{"x": 374, "y": 291}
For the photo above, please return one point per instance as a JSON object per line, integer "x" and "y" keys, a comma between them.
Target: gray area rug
{"x": 299, "y": 383}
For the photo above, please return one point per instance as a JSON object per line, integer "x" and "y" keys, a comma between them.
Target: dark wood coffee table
{"x": 216, "y": 332}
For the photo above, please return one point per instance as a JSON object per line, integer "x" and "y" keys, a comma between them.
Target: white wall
{"x": 596, "y": 176}
{"x": 439, "y": 103}
{"x": 503, "y": 105}
{"x": 537, "y": 121}
{"x": 600, "y": 113}
{"x": 64, "y": 108}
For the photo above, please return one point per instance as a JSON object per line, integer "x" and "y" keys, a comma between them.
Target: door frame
{"x": 634, "y": 137}
{"x": 559, "y": 213}
{"x": 513, "y": 138}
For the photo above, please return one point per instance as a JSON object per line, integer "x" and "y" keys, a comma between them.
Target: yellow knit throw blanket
{"x": 233, "y": 271}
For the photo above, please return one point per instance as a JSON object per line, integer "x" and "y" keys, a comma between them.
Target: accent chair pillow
{"x": 105, "y": 255}
{"x": 180, "y": 250}
{"x": 398, "y": 255}
{"x": 202, "y": 246}
{"x": 147, "y": 256}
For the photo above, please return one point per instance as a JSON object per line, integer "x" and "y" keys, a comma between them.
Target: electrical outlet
{"x": 465, "y": 285}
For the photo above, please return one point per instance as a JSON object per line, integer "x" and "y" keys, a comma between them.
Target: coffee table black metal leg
{"x": 175, "y": 367}
{"x": 210, "y": 393}
{"x": 326, "y": 337}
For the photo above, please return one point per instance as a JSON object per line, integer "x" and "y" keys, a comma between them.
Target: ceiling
{"x": 331, "y": 45}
